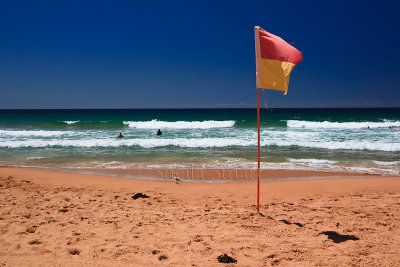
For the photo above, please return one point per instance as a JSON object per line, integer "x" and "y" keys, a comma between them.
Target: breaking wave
{"x": 156, "y": 124}
{"x": 39, "y": 133}
{"x": 70, "y": 122}
{"x": 144, "y": 143}
{"x": 341, "y": 125}
{"x": 200, "y": 143}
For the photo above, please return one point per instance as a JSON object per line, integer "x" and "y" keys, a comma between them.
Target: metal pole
{"x": 258, "y": 150}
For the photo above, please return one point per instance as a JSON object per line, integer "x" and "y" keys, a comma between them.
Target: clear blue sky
{"x": 192, "y": 54}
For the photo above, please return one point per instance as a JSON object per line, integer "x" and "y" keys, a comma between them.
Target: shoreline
{"x": 207, "y": 175}
{"x": 282, "y": 190}
{"x": 63, "y": 219}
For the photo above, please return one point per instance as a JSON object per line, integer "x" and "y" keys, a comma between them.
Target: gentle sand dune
{"x": 63, "y": 219}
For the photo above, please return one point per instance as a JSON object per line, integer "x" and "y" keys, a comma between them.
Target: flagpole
{"x": 258, "y": 162}
{"x": 271, "y": 48}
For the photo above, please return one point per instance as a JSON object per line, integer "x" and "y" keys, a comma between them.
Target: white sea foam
{"x": 70, "y": 122}
{"x": 341, "y": 125}
{"x": 386, "y": 163}
{"x": 145, "y": 143}
{"x": 313, "y": 161}
{"x": 232, "y": 163}
{"x": 291, "y": 164}
{"x": 38, "y": 133}
{"x": 201, "y": 143}
{"x": 156, "y": 124}
{"x": 33, "y": 158}
{"x": 329, "y": 165}
{"x": 223, "y": 137}
{"x": 346, "y": 145}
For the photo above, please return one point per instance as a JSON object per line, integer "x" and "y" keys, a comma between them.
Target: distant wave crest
{"x": 156, "y": 124}
{"x": 341, "y": 125}
{"x": 70, "y": 122}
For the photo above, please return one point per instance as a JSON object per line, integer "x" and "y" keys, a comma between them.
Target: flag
{"x": 275, "y": 60}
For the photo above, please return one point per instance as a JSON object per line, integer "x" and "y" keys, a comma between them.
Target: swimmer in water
{"x": 159, "y": 132}
{"x": 120, "y": 135}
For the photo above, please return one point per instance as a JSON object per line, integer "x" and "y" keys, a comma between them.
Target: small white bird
{"x": 177, "y": 178}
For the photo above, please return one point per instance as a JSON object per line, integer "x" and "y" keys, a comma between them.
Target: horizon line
{"x": 166, "y": 108}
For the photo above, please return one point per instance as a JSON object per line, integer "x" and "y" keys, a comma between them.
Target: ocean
{"x": 344, "y": 140}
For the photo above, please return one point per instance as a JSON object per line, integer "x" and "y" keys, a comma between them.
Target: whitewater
{"x": 209, "y": 134}
{"x": 362, "y": 141}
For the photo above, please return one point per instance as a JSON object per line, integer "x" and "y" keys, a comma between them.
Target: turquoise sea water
{"x": 356, "y": 140}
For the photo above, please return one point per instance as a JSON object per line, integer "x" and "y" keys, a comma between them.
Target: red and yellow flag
{"x": 275, "y": 60}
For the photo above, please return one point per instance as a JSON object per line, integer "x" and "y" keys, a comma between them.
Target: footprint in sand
{"x": 197, "y": 238}
{"x": 74, "y": 251}
{"x": 35, "y": 242}
{"x": 31, "y": 229}
{"x": 162, "y": 257}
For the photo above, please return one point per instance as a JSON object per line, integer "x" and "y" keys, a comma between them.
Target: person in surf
{"x": 120, "y": 135}
{"x": 159, "y": 132}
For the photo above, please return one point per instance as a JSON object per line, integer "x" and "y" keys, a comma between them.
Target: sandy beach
{"x": 140, "y": 133}
{"x": 63, "y": 219}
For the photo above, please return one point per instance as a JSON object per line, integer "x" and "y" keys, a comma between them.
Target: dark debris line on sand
{"x": 226, "y": 259}
{"x": 139, "y": 195}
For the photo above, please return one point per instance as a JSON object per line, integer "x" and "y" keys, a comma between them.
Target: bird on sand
{"x": 177, "y": 179}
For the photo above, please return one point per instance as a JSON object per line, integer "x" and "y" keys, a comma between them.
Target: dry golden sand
{"x": 62, "y": 219}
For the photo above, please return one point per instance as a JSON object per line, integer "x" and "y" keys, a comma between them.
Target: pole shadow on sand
{"x": 332, "y": 235}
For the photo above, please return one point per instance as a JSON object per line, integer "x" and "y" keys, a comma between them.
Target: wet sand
{"x": 64, "y": 219}
{"x": 212, "y": 175}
